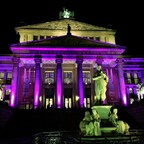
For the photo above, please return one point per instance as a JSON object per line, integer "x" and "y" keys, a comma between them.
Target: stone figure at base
{"x": 101, "y": 80}
{"x": 121, "y": 126}
{"x": 84, "y": 124}
{"x": 90, "y": 125}
{"x": 96, "y": 122}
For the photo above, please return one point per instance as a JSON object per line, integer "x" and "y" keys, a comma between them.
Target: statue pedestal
{"x": 103, "y": 110}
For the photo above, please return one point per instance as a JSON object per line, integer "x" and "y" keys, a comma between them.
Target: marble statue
{"x": 101, "y": 81}
{"x": 140, "y": 91}
{"x": 121, "y": 126}
{"x": 66, "y": 13}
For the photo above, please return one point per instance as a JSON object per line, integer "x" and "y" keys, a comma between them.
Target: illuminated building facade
{"x": 53, "y": 66}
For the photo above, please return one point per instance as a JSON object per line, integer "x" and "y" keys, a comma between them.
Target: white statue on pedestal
{"x": 101, "y": 80}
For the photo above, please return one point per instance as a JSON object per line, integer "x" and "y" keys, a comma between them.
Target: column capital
{"x": 59, "y": 59}
{"x": 16, "y": 60}
{"x": 99, "y": 61}
{"x": 37, "y": 60}
{"x": 79, "y": 59}
{"x": 119, "y": 61}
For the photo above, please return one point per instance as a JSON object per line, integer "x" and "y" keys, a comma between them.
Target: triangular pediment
{"x": 61, "y": 24}
{"x": 69, "y": 41}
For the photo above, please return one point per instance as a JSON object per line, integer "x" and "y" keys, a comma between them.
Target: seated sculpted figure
{"x": 96, "y": 122}
{"x": 84, "y": 124}
{"x": 121, "y": 126}
{"x": 101, "y": 80}
{"x": 90, "y": 125}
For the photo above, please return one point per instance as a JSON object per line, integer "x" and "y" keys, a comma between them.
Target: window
{"x": 1, "y": 77}
{"x": 87, "y": 102}
{"x": 35, "y": 37}
{"x": 128, "y": 78}
{"x": 25, "y": 38}
{"x": 68, "y": 102}
{"x": 136, "y": 79}
{"x": 131, "y": 95}
{"x": 86, "y": 77}
{"x": 97, "y": 38}
{"x": 91, "y": 38}
{"x": 9, "y": 78}
{"x": 48, "y": 36}
{"x": 49, "y": 77}
{"x": 41, "y": 37}
{"x": 7, "y": 94}
{"x": 67, "y": 77}
{"x": 49, "y": 102}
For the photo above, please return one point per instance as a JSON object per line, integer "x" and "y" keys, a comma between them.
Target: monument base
{"x": 103, "y": 110}
{"x": 107, "y": 130}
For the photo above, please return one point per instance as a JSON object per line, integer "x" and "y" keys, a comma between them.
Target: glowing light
{"x": 77, "y": 98}
{"x": 124, "y": 100}
{"x": 40, "y": 98}
{"x": 12, "y": 100}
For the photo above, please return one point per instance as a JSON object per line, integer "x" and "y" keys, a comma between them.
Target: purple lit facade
{"x": 57, "y": 71}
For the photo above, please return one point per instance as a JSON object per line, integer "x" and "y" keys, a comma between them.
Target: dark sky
{"x": 126, "y": 18}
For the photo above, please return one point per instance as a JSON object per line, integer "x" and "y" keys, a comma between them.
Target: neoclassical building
{"x": 53, "y": 66}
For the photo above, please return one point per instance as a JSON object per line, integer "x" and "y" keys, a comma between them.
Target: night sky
{"x": 126, "y": 18}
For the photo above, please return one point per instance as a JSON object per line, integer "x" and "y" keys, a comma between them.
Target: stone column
{"x": 121, "y": 81}
{"x": 5, "y": 80}
{"x": 59, "y": 60}
{"x": 14, "y": 83}
{"x": 80, "y": 87}
{"x": 37, "y": 82}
